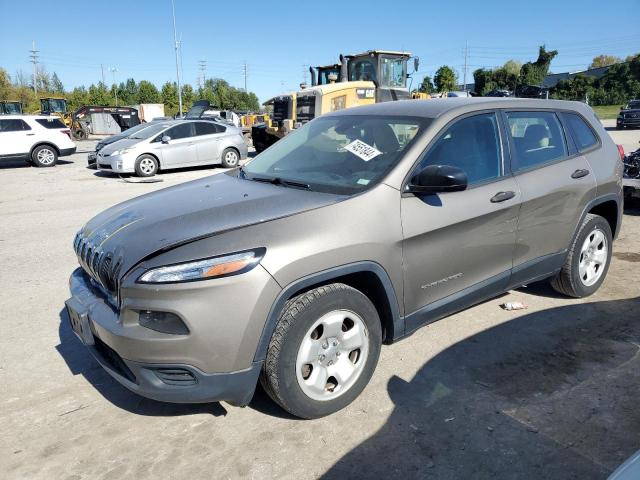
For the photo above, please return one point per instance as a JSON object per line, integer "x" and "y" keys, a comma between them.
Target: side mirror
{"x": 166, "y": 138}
{"x": 438, "y": 178}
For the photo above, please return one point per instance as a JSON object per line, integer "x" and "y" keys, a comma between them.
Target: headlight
{"x": 207, "y": 268}
{"x": 120, "y": 152}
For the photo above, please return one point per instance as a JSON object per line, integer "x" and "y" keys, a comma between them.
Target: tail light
{"x": 621, "y": 152}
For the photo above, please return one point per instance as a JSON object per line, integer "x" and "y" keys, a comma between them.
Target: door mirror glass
{"x": 438, "y": 178}
{"x": 166, "y": 138}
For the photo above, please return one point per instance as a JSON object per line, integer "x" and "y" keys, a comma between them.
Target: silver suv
{"x": 354, "y": 231}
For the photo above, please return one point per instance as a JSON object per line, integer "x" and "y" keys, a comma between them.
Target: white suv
{"x": 38, "y": 139}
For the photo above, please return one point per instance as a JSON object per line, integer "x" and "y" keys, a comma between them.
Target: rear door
{"x": 181, "y": 149}
{"x": 16, "y": 137}
{"x": 460, "y": 241}
{"x": 207, "y": 140}
{"x": 556, "y": 184}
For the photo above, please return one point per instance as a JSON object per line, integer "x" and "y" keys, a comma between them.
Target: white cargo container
{"x": 149, "y": 111}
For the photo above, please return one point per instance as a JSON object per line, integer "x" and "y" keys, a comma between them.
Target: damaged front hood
{"x": 114, "y": 241}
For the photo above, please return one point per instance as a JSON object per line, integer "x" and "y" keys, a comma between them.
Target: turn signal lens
{"x": 204, "y": 269}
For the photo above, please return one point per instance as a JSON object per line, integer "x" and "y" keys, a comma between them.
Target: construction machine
{"x": 10, "y": 107}
{"x": 370, "y": 77}
{"x": 55, "y": 106}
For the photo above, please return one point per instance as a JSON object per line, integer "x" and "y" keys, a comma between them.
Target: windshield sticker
{"x": 364, "y": 151}
{"x": 363, "y": 181}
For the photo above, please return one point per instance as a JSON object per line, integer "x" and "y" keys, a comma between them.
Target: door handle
{"x": 502, "y": 196}
{"x": 581, "y": 172}
{"x": 30, "y": 134}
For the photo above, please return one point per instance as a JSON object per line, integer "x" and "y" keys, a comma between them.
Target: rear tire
{"x": 332, "y": 332}
{"x": 230, "y": 158}
{"x": 44, "y": 156}
{"x": 588, "y": 259}
{"x": 146, "y": 166}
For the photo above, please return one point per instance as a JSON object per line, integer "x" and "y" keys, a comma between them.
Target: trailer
{"x": 147, "y": 112}
{"x": 98, "y": 120}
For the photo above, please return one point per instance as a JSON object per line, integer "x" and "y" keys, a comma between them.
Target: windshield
{"x": 57, "y": 105}
{"x": 633, "y": 105}
{"x": 149, "y": 132}
{"x": 12, "y": 108}
{"x": 362, "y": 69}
{"x": 341, "y": 154}
{"x": 129, "y": 132}
{"x": 392, "y": 72}
{"x": 323, "y": 75}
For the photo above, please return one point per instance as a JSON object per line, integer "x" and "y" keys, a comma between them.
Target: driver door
{"x": 181, "y": 149}
{"x": 459, "y": 244}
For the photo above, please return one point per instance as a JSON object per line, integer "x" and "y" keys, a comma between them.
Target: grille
{"x": 111, "y": 358}
{"x": 98, "y": 264}
{"x": 175, "y": 376}
{"x": 281, "y": 108}
{"x": 306, "y": 108}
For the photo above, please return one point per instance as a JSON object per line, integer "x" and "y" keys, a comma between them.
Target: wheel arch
{"x": 151, "y": 155}
{"x": 43, "y": 143}
{"x": 368, "y": 277}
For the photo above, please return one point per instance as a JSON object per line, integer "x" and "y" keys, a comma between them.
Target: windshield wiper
{"x": 281, "y": 181}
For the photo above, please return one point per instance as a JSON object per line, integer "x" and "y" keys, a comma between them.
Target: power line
{"x": 34, "y": 59}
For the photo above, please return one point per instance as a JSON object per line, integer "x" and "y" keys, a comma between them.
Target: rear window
{"x": 582, "y": 133}
{"x": 51, "y": 123}
{"x": 13, "y": 125}
{"x": 537, "y": 137}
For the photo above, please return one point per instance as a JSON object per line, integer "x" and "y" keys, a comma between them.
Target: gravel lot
{"x": 548, "y": 392}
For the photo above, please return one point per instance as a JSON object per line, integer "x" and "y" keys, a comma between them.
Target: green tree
{"x": 147, "y": 92}
{"x": 99, "y": 95}
{"x": 188, "y": 96}
{"x": 532, "y": 73}
{"x": 169, "y": 94}
{"x": 604, "y": 61}
{"x": 445, "y": 79}
{"x": 56, "y": 84}
{"x": 129, "y": 92}
{"x": 6, "y": 88}
{"x": 427, "y": 85}
{"x": 77, "y": 98}
{"x": 512, "y": 67}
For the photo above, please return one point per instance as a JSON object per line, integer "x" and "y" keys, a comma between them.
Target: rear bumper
{"x": 97, "y": 324}
{"x": 65, "y": 152}
{"x": 631, "y": 183}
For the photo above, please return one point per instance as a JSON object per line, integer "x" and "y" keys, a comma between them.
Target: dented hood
{"x": 114, "y": 241}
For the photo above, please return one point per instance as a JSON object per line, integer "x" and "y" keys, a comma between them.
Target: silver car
{"x": 353, "y": 231}
{"x": 174, "y": 144}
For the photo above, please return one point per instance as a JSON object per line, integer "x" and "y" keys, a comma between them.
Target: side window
{"x": 537, "y": 137}
{"x": 582, "y": 133}
{"x": 205, "y": 128}
{"x": 220, "y": 128}
{"x": 184, "y": 130}
{"x": 13, "y": 125}
{"x": 472, "y": 144}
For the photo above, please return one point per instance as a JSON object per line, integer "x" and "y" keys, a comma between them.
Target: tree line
{"x": 620, "y": 83}
{"x": 218, "y": 91}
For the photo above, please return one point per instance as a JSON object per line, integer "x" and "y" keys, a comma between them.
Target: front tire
{"x": 44, "y": 156}
{"x": 146, "y": 166}
{"x": 230, "y": 158}
{"x": 588, "y": 259}
{"x": 323, "y": 351}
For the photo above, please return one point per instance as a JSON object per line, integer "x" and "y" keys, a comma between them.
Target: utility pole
{"x": 175, "y": 39}
{"x": 113, "y": 71}
{"x": 466, "y": 54}
{"x": 305, "y": 70}
{"x": 245, "y": 76}
{"x": 203, "y": 68}
{"x": 102, "y": 70}
{"x": 34, "y": 59}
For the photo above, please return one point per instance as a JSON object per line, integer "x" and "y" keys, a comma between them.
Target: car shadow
{"x": 80, "y": 362}
{"x": 6, "y": 164}
{"x": 551, "y": 394}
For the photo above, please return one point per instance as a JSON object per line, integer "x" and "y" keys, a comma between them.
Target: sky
{"x": 278, "y": 40}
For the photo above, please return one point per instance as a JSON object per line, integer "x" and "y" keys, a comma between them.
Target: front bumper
{"x": 133, "y": 354}
{"x": 628, "y": 122}
{"x": 116, "y": 163}
{"x": 92, "y": 158}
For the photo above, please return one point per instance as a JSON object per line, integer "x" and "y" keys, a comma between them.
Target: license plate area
{"x": 79, "y": 320}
